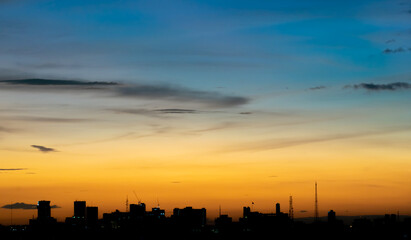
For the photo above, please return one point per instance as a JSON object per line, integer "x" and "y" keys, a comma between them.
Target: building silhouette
{"x": 190, "y": 223}
{"x": 277, "y": 209}
{"x": 136, "y": 217}
{"x": 84, "y": 217}
{"x": 156, "y": 214}
{"x": 43, "y": 215}
{"x": 254, "y": 221}
{"x": 331, "y": 216}
{"x": 80, "y": 209}
{"x": 138, "y": 210}
{"x": 43, "y": 210}
{"x": 189, "y": 216}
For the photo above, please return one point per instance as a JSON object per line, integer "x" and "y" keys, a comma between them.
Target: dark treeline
{"x": 189, "y": 223}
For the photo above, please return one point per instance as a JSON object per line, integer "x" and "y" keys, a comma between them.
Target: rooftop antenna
{"x": 158, "y": 203}
{"x": 127, "y": 204}
{"x": 11, "y": 213}
{"x": 219, "y": 211}
{"x": 316, "y": 204}
{"x": 291, "y": 209}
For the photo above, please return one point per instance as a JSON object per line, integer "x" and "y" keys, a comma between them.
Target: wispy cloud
{"x": 44, "y": 149}
{"x": 176, "y": 110}
{"x": 50, "y": 82}
{"x": 220, "y": 126}
{"x": 24, "y": 206}
{"x": 7, "y": 130}
{"x": 48, "y": 119}
{"x": 141, "y": 91}
{"x": 272, "y": 144}
{"x": 12, "y": 169}
{"x": 317, "y": 88}
{"x": 158, "y": 113}
{"x": 396, "y": 50}
{"x": 381, "y": 87}
{"x": 137, "y": 111}
{"x": 176, "y": 93}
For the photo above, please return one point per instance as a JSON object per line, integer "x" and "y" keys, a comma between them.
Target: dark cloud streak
{"x": 181, "y": 94}
{"x": 12, "y": 169}
{"x": 317, "y": 88}
{"x": 151, "y": 92}
{"x": 24, "y": 206}
{"x": 381, "y": 87}
{"x": 176, "y": 110}
{"x": 395, "y": 50}
{"x": 50, "y": 82}
{"x": 44, "y": 149}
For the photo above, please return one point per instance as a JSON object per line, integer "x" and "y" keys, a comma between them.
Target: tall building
{"x": 246, "y": 211}
{"x": 138, "y": 210}
{"x": 44, "y": 218}
{"x": 80, "y": 209}
{"x": 190, "y": 216}
{"x": 43, "y": 209}
{"x": 277, "y": 209}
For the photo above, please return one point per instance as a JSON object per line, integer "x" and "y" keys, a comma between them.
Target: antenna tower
{"x": 127, "y": 204}
{"x": 291, "y": 209}
{"x": 316, "y": 203}
{"x": 11, "y": 213}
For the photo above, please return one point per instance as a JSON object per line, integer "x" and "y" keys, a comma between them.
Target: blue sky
{"x": 278, "y": 55}
{"x": 205, "y": 44}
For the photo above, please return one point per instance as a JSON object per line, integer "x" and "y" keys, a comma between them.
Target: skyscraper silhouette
{"x": 80, "y": 209}
{"x": 43, "y": 210}
{"x": 277, "y": 209}
{"x": 316, "y": 217}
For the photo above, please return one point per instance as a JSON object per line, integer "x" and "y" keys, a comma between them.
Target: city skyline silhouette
{"x": 80, "y": 209}
{"x": 189, "y": 222}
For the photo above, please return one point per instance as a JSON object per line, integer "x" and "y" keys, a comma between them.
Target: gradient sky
{"x": 206, "y": 103}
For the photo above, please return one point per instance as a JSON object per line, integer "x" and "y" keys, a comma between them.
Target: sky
{"x": 205, "y": 103}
